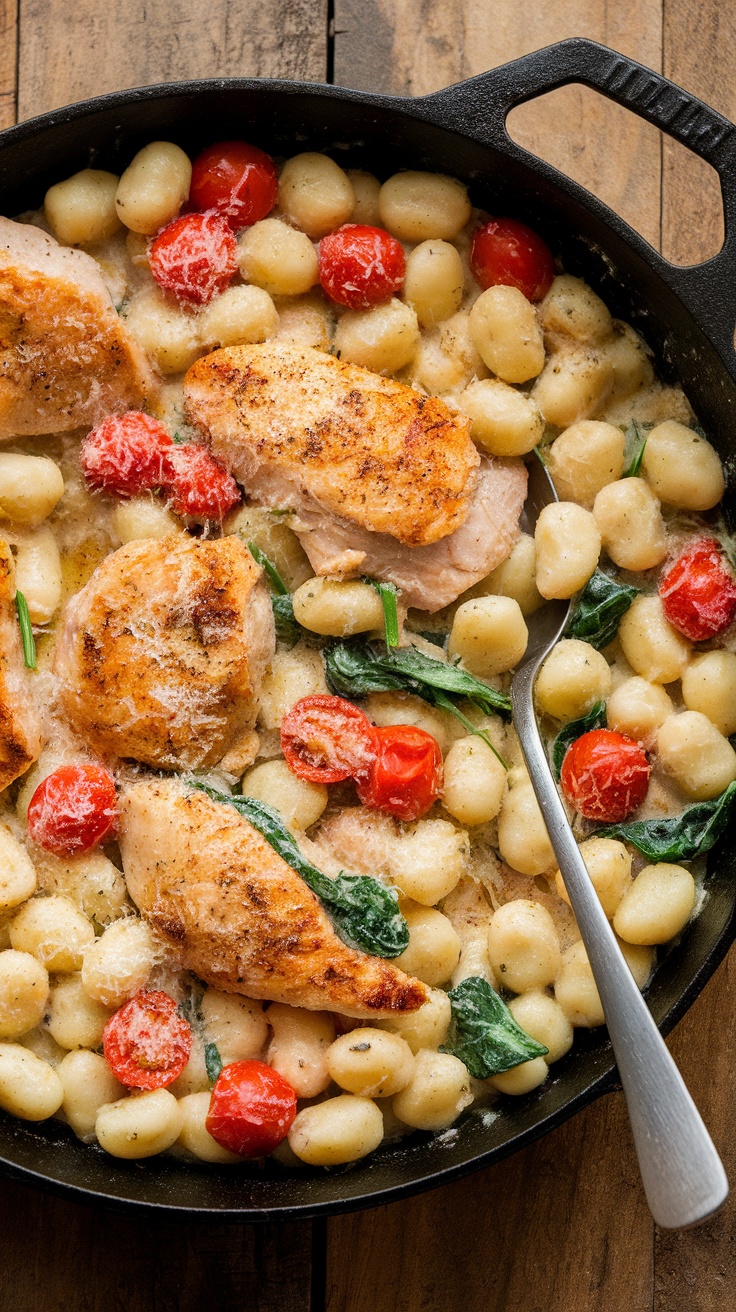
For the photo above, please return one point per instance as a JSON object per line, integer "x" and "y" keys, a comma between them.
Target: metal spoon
{"x": 683, "y": 1177}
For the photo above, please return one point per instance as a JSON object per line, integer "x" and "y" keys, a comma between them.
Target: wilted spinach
{"x": 569, "y": 733}
{"x": 599, "y": 610}
{"x": 680, "y": 837}
{"x": 483, "y": 1033}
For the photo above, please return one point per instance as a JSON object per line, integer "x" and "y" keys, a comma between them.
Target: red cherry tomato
{"x": 507, "y": 253}
{"x": 194, "y": 257}
{"x": 73, "y": 810}
{"x": 360, "y": 266}
{"x": 252, "y": 1108}
{"x": 237, "y": 180}
{"x": 197, "y": 484}
{"x": 698, "y": 591}
{"x": 605, "y": 775}
{"x": 327, "y": 739}
{"x": 147, "y": 1043}
{"x": 125, "y": 454}
{"x": 406, "y": 776}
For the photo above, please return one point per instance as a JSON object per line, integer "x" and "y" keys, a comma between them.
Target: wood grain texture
{"x": 73, "y": 50}
{"x": 560, "y": 1227}
{"x": 416, "y": 46}
{"x": 69, "y": 1258}
{"x": 699, "y": 47}
{"x": 8, "y": 61}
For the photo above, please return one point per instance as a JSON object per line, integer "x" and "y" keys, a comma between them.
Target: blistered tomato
{"x": 147, "y": 1043}
{"x": 405, "y": 778}
{"x": 125, "y": 454}
{"x": 508, "y": 253}
{"x": 197, "y": 484}
{"x": 237, "y": 180}
{"x": 360, "y": 266}
{"x": 327, "y": 739}
{"x": 698, "y": 591}
{"x": 252, "y": 1108}
{"x": 605, "y": 775}
{"x": 73, "y": 809}
{"x": 194, "y": 257}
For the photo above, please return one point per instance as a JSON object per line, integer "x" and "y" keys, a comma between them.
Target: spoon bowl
{"x": 683, "y": 1176}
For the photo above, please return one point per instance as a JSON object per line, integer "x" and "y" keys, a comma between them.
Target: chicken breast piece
{"x": 296, "y": 421}
{"x": 382, "y": 480}
{"x": 434, "y": 576}
{"x": 242, "y": 919}
{"x": 66, "y": 358}
{"x": 161, "y": 654}
{"x": 21, "y": 737}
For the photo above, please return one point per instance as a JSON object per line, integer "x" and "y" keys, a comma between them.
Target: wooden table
{"x": 562, "y": 1226}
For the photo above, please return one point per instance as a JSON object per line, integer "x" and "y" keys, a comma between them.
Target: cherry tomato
{"x": 73, "y": 810}
{"x": 406, "y": 776}
{"x": 605, "y": 775}
{"x": 147, "y": 1043}
{"x": 194, "y": 257}
{"x": 507, "y": 253}
{"x": 124, "y": 454}
{"x": 327, "y": 739}
{"x": 698, "y": 591}
{"x": 252, "y": 1108}
{"x": 237, "y": 180}
{"x": 197, "y": 484}
{"x": 360, "y": 266}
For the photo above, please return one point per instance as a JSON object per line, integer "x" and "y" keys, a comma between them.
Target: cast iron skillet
{"x": 686, "y": 314}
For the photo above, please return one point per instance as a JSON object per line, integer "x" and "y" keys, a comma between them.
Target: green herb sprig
{"x": 636, "y": 440}
{"x": 388, "y": 592}
{"x": 483, "y": 1033}
{"x": 26, "y": 631}
{"x": 599, "y": 610}
{"x": 680, "y": 837}
{"x": 365, "y": 912}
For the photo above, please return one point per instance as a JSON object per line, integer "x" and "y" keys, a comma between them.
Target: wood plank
{"x": 560, "y": 1227}
{"x": 415, "y": 46}
{"x": 8, "y": 61}
{"x": 70, "y": 51}
{"x": 699, "y": 44}
{"x": 69, "y": 1258}
{"x": 695, "y": 1270}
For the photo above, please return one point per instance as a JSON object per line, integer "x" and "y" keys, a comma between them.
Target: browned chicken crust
{"x": 366, "y": 448}
{"x": 66, "y": 358}
{"x": 21, "y": 736}
{"x": 243, "y": 920}
{"x": 161, "y": 654}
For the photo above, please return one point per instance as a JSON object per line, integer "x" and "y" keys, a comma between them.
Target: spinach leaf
{"x": 595, "y": 719}
{"x": 269, "y": 569}
{"x": 599, "y": 610}
{"x": 287, "y": 629}
{"x": 213, "y": 1062}
{"x": 680, "y": 837}
{"x": 444, "y": 703}
{"x": 636, "y": 440}
{"x": 366, "y": 913}
{"x": 26, "y": 632}
{"x": 388, "y": 592}
{"x": 483, "y": 1033}
{"x": 355, "y": 669}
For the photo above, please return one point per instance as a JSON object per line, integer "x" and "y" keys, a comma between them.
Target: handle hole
{"x": 665, "y": 192}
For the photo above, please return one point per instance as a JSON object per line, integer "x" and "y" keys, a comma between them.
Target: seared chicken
{"x": 161, "y": 654}
{"x": 384, "y": 481}
{"x": 242, "y": 919}
{"x": 434, "y": 576}
{"x": 66, "y": 358}
{"x": 20, "y": 726}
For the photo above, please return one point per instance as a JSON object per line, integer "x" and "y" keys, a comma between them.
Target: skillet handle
{"x": 479, "y": 107}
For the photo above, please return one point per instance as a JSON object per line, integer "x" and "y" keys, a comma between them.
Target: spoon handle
{"x": 683, "y": 1177}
